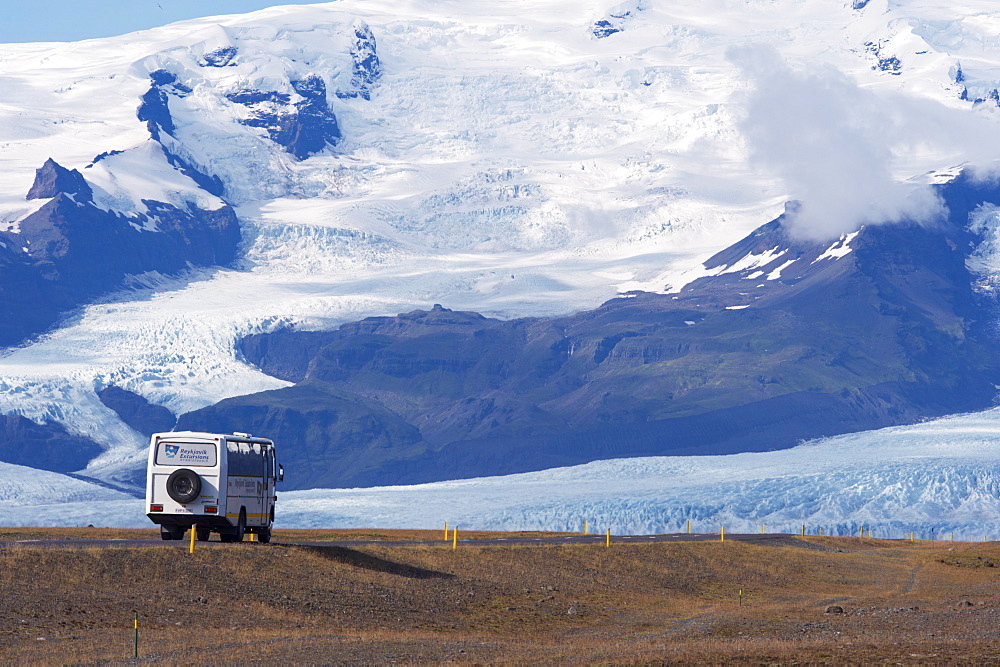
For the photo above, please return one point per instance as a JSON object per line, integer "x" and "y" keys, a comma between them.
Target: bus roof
{"x": 202, "y": 435}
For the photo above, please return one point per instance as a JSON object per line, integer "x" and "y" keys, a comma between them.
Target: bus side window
{"x": 241, "y": 459}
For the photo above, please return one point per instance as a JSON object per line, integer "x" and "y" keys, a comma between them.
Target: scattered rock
{"x": 963, "y": 604}
{"x": 835, "y": 609}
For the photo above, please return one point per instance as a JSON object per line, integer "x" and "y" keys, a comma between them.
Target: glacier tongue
{"x": 934, "y": 479}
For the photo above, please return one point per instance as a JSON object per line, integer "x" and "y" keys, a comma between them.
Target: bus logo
{"x": 171, "y": 450}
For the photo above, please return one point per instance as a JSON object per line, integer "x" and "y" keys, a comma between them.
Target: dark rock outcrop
{"x": 136, "y": 411}
{"x": 304, "y": 127}
{"x": 102, "y": 156}
{"x": 208, "y": 182}
{"x": 883, "y": 63}
{"x": 52, "y": 179}
{"x": 367, "y": 68}
{"x": 220, "y": 57}
{"x": 614, "y": 22}
{"x": 43, "y": 446}
{"x": 604, "y": 28}
{"x": 154, "y": 105}
{"x": 85, "y": 243}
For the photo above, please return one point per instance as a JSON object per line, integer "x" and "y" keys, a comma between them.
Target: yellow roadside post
{"x": 607, "y": 541}
{"x": 445, "y": 531}
{"x": 761, "y": 529}
{"x": 803, "y": 530}
{"x": 722, "y": 534}
{"x": 584, "y": 526}
{"x": 689, "y": 526}
{"x": 454, "y": 538}
{"x": 861, "y": 531}
{"x": 951, "y": 537}
{"x": 191, "y": 548}
{"x": 135, "y": 653}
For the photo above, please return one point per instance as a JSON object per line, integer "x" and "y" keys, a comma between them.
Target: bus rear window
{"x": 201, "y": 454}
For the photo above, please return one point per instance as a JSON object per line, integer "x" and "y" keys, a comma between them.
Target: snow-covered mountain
{"x": 511, "y": 158}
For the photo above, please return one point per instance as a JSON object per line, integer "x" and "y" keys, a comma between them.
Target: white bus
{"x": 212, "y": 482}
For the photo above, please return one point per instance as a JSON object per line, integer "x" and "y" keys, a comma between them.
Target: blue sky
{"x": 72, "y": 20}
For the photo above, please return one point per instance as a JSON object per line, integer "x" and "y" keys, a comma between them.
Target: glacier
{"x": 935, "y": 479}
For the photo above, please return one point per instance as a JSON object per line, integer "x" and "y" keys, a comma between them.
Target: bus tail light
{"x": 211, "y": 510}
{"x": 156, "y": 508}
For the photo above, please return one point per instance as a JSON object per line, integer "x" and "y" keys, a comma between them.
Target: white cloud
{"x": 835, "y": 144}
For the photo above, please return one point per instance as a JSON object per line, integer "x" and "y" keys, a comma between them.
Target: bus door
{"x": 261, "y": 508}
{"x": 267, "y": 496}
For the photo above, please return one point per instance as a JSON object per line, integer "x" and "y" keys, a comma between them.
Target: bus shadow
{"x": 369, "y": 562}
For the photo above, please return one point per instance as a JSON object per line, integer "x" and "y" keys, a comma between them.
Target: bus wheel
{"x": 203, "y": 533}
{"x": 241, "y": 526}
{"x": 264, "y": 535}
{"x": 235, "y": 534}
{"x": 171, "y": 532}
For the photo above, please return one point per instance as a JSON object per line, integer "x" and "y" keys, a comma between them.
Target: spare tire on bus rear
{"x": 183, "y": 485}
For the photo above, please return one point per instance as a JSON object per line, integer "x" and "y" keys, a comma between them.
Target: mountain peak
{"x": 52, "y": 179}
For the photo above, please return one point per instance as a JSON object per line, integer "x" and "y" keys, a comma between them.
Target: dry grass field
{"x": 908, "y": 602}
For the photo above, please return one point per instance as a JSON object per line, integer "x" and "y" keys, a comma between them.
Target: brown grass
{"x": 551, "y": 604}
